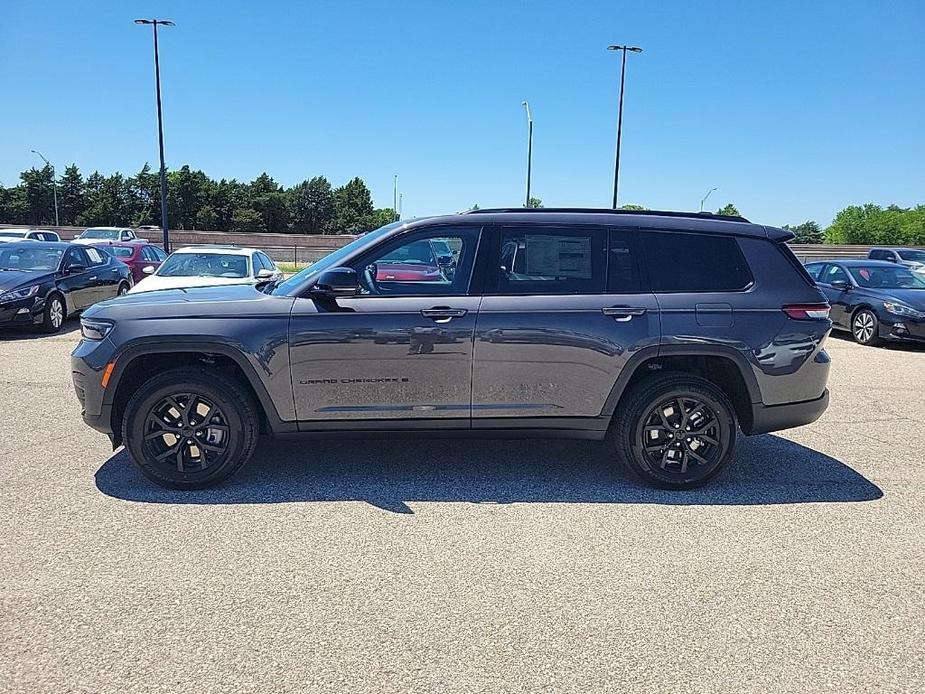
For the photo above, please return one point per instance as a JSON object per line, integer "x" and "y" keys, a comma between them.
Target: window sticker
{"x": 558, "y": 256}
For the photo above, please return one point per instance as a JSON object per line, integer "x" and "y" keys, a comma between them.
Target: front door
{"x": 79, "y": 289}
{"x": 839, "y": 299}
{"x": 402, "y": 348}
{"x": 565, "y": 311}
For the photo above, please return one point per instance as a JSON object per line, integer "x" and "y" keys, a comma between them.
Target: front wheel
{"x": 123, "y": 289}
{"x": 866, "y": 327}
{"x": 190, "y": 427}
{"x": 675, "y": 431}
{"x": 53, "y": 315}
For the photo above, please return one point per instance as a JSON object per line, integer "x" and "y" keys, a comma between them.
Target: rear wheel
{"x": 53, "y": 315}
{"x": 865, "y": 327}
{"x": 675, "y": 431}
{"x": 190, "y": 428}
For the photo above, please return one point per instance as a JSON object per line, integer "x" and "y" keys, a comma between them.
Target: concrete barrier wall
{"x": 306, "y": 248}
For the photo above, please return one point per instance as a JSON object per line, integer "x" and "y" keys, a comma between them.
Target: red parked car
{"x": 138, "y": 255}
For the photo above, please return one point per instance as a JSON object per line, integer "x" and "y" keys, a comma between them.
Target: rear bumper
{"x": 767, "y": 418}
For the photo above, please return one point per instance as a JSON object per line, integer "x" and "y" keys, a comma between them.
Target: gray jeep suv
{"x": 662, "y": 333}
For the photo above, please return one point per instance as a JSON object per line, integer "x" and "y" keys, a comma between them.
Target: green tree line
{"x": 194, "y": 201}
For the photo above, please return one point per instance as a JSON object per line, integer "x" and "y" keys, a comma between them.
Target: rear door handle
{"x": 443, "y": 314}
{"x": 622, "y": 313}
{"x": 93, "y": 279}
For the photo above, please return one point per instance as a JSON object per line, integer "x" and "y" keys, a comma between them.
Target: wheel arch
{"x": 728, "y": 369}
{"x": 139, "y": 362}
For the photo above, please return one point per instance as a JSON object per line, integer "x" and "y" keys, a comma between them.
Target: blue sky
{"x": 792, "y": 109}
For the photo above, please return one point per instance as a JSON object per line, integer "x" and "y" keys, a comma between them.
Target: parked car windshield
{"x": 100, "y": 234}
{"x": 30, "y": 259}
{"x": 12, "y": 234}
{"x": 877, "y": 277}
{"x": 286, "y": 287}
{"x": 204, "y": 265}
{"x": 917, "y": 256}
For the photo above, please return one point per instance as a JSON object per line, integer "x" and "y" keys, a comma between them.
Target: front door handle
{"x": 93, "y": 279}
{"x": 443, "y": 314}
{"x": 622, "y": 313}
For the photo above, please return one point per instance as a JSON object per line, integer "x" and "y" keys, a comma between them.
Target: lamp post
{"x": 616, "y": 167}
{"x": 395, "y": 199}
{"x": 54, "y": 182}
{"x": 160, "y": 124}
{"x": 705, "y": 198}
{"x": 526, "y": 106}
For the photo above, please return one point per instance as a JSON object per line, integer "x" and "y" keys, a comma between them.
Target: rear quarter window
{"x": 688, "y": 262}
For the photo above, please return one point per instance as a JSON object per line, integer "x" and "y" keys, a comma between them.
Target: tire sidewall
{"x": 47, "y": 324}
{"x": 136, "y": 413}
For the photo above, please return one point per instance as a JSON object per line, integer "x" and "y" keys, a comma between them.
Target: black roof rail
{"x": 607, "y": 210}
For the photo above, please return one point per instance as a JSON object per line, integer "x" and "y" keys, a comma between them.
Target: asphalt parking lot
{"x": 466, "y": 566}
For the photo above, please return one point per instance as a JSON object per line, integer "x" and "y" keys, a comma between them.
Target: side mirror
{"x": 148, "y": 269}
{"x": 841, "y": 285}
{"x": 336, "y": 282}
{"x": 264, "y": 274}
{"x": 75, "y": 269}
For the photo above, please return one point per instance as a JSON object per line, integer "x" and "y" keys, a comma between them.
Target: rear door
{"x": 565, "y": 308}
{"x": 105, "y": 274}
{"x": 400, "y": 353}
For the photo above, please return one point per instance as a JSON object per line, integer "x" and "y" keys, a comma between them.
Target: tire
{"x": 865, "y": 327}
{"x": 659, "y": 448}
{"x": 164, "y": 411}
{"x": 123, "y": 289}
{"x": 54, "y": 314}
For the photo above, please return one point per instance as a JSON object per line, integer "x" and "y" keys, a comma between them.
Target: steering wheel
{"x": 369, "y": 279}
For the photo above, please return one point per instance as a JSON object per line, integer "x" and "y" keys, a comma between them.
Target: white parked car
{"x": 98, "y": 234}
{"x": 7, "y": 235}
{"x": 210, "y": 266}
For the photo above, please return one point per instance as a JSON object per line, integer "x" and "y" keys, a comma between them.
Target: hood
{"x": 156, "y": 282}
{"x": 910, "y": 297}
{"x": 12, "y": 279}
{"x": 202, "y": 302}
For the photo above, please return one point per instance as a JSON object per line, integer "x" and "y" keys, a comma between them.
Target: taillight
{"x": 807, "y": 311}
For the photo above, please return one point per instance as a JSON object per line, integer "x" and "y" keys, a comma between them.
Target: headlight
{"x": 18, "y": 294}
{"x": 95, "y": 329}
{"x": 902, "y": 310}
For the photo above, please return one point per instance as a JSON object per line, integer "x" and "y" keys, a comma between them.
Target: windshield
{"x": 331, "y": 259}
{"x": 12, "y": 234}
{"x": 918, "y": 256}
{"x": 204, "y": 265}
{"x": 100, "y": 234}
{"x": 30, "y": 259}
{"x": 876, "y": 277}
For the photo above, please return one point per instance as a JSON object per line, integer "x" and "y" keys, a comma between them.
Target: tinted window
{"x": 813, "y": 269}
{"x": 833, "y": 273}
{"x": 121, "y": 251}
{"x": 267, "y": 263}
{"x": 623, "y": 263}
{"x": 877, "y": 255}
{"x": 161, "y": 255}
{"x": 551, "y": 260}
{"x": 407, "y": 267}
{"x": 679, "y": 262}
{"x": 76, "y": 256}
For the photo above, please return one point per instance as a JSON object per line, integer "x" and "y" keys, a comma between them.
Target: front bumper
{"x": 768, "y": 418}
{"x": 902, "y": 329}
{"x": 88, "y": 360}
{"x": 22, "y": 312}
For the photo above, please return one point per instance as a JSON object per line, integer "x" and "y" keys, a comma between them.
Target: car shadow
{"x": 27, "y": 332}
{"x": 844, "y": 336}
{"x": 390, "y": 473}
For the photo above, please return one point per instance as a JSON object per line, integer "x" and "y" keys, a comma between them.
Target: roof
{"x": 227, "y": 250}
{"x": 34, "y": 243}
{"x": 109, "y": 229}
{"x": 132, "y": 243}
{"x": 644, "y": 219}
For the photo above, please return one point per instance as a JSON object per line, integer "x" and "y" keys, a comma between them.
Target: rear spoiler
{"x": 779, "y": 235}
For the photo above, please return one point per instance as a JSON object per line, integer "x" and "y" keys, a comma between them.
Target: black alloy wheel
{"x": 675, "y": 431}
{"x": 190, "y": 427}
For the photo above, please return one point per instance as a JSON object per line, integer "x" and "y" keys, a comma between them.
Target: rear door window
{"x": 623, "y": 267}
{"x": 551, "y": 260}
{"x": 689, "y": 262}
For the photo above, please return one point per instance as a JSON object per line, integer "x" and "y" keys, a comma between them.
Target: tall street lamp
{"x": 160, "y": 124}
{"x": 705, "y": 198}
{"x": 526, "y": 106}
{"x": 54, "y": 182}
{"x": 616, "y": 167}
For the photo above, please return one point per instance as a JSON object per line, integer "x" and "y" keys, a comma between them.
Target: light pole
{"x": 54, "y": 182}
{"x": 526, "y": 106}
{"x": 160, "y": 124}
{"x": 616, "y": 167}
{"x": 395, "y": 199}
{"x": 705, "y": 198}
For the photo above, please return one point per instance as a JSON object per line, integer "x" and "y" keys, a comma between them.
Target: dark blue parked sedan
{"x": 873, "y": 299}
